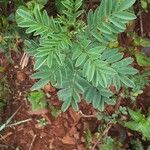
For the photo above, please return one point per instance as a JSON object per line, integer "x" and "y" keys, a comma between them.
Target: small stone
{"x": 16, "y": 67}
{"x": 82, "y": 139}
{"x": 76, "y": 136}
{"x": 21, "y": 76}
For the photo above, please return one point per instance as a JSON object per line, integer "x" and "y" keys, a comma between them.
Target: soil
{"x": 64, "y": 133}
{"x": 67, "y": 131}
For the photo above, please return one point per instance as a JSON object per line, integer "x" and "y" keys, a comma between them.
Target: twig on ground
{"x": 141, "y": 19}
{"x": 4, "y": 141}
{"x": 141, "y": 25}
{"x": 103, "y": 134}
{"x": 86, "y": 116}
{"x": 19, "y": 122}
{"x": 9, "y": 119}
{"x": 149, "y": 34}
{"x": 24, "y": 60}
{"x": 31, "y": 145}
{"x": 5, "y": 136}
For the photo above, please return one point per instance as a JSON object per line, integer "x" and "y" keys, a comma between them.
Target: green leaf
{"x": 105, "y": 93}
{"x": 25, "y": 14}
{"x": 75, "y": 105}
{"x": 40, "y": 84}
{"x": 107, "y": 70}
{"x": 125, "y": 4}
{"x": 142, "y": 59}
{"x": 66, "y": 105}
{"x": 80, "y": 59}
{"x": 114, "y": 58}
{"x": 127, "y": 81}
{"x": 76, "y": 53}
{"x": 110, "y": 101}
{"x": 123, "y": 62}
{"x": 39, "y": 62}
{"x": 127, "y": 70}
{"x": 102, "y": 79}
{"x": 118, "y": 23}
{"x": 50, "y": 59}
{"x": 125, "y": 15}
{"x": 116, "y": 82}
{"x": 88, "y": 136}
{"x": 91, "y": 73}
{"x": 76, "y": 56}
{"x": 64, "y": 94}
{"x": 131, "y": 125}
{"x": 88, "y": 95}
{"x": 90, "y": 18}
{"x": 101, "y": 105}
{"x": 135, "y": 115}
{"x": 78, "y": 4}
{"x": 41, "y": 75}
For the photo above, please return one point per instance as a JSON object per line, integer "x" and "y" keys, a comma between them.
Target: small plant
{"x": 42, "y": 122}
{"x": 55, "y": 112}
{"x": 140, "y": 49}
{"x": 137, "y": 144}
{"x": 88, "y": 138}
{"x": 75, "y": 56}
{"x": 139, "y": 123}
{"x": 145, "y": 4}
{"x": 4, "y": 90}
{"x": 37, "y": 100}
{"x": 110, "y": 144}
{"x": 141, "y": 80}
{"x": 114, "y": 118}
{"x": 10, "y": 34}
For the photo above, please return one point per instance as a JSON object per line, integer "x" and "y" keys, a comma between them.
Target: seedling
{"x": 114, "y": 118}
{"x": 4, "y": 90}
{"x": 74, "y": 56}
{"x": 42, "y": 122}
{"x": 145, "y": 4}
{"x": 37, "y": 100}
{"x": 141, "y": 80}
{"x": 55, "y": 112}
{"x": 88, "y": 138}
{"x": 139, "y": 123}
{"x": 110, "y": 144}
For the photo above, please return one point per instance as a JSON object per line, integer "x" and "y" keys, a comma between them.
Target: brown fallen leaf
{"x": 74, "y": 115}
{"x": 39, "y": 112}
{"x": 72, "y": 131}
{"x": 80, "y": 147}
{"x": 49, "y": 88}
{"x": 68, "y": 140}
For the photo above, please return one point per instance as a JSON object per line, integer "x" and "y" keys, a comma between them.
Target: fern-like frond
{"x": 109, "y": 19}
{"x": 72, "y": 9}
{"x": 103, "y": 66}
{"x": 37, "y": 22}
{"x": 51, "y": 49}
{"x": 77, "y": 59}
